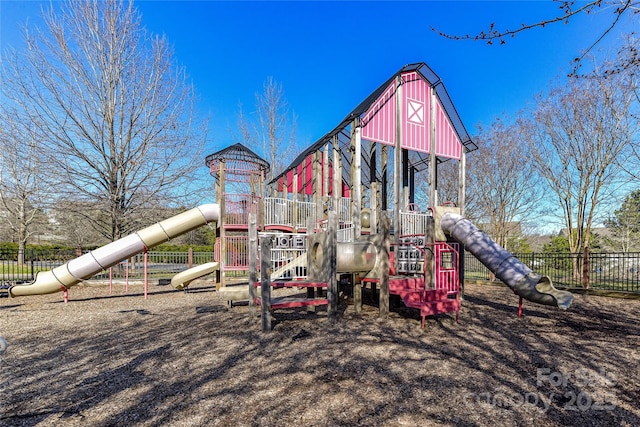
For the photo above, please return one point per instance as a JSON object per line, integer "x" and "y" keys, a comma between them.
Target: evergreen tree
{"x": 625, "y": 224}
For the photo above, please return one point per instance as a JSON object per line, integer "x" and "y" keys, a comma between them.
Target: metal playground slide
{"x": 89, "y": 264}
{"x": 510, "y": 270}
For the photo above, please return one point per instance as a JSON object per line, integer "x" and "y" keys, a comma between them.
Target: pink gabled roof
{"x": 450, "y": 143}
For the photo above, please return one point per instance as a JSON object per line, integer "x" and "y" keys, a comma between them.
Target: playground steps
{"x": 313, "y": 288}
{"x": 429, "y": 301}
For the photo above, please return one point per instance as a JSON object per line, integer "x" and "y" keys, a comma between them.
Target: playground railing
{"x": 343, "y": 209}
{"x": 305, "y": 211}
{"x": 288, "y": 263}
{"x": 281, "y": 212}
{"x": 412, "y": 223}
{"x": 237, "y": 208}
{"x": 346, "y": 232}
{"x": 278, "y": 211}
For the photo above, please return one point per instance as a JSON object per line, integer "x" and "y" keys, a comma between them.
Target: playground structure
{"x": 343, "y": 210}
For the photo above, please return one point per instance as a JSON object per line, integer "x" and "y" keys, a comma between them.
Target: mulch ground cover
{"x": 188, "y": 359}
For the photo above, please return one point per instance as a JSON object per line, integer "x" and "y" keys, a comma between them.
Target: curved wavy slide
{"x": 91, "y": 263}
{"x": 510, "y": 270}
{"x": 182, "y": 279}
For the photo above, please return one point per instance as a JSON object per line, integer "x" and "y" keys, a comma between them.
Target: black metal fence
{"x": 159, "y": 264}
{"x": 31, "y": 262}
{"x": 604, "y": 271}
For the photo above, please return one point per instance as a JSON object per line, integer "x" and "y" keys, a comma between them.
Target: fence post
{"x": 32, "y": 264}
{"x": 146, "y": 273}
{"x": 586, "y": 268}
{"x": 190, "y": 258}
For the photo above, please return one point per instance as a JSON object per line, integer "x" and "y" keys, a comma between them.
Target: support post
{"x": 336, "y": 190}
{"x": 397, "y": 151}
{"x": 146, "y": 273}
{"x": 433, "y": 163}
{"x": 384, "y": 268}
{"x": 332, "y": 288}
{"x": 294, "y": 201}
{"x": 317, "y": 185}
{"x": 519, "y": 306}
{"x": 384, "y": 158}
{"x": 357, "y": 293}
{"x": 462, "y": 190}
{"x": 305, "y": 183}
{"x": 325, "y": 177}
{"x": 373, "y": 189}
{"x": 265, "y": 285}
{"x": 356, "y": 177}
{"x": 412, "y": 185}
{"x": 311, "y": 291}
{"x": 462, "y": 177}
{"x": 373, "y": 207}
{"x": 429, "y": 256}
{"x": 405, "y": 178}
{"x": 253, "y": 263}
{"x": 221, "y": 223}
{"x": 261, "y": 193}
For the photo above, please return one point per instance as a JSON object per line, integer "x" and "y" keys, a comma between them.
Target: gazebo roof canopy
{"x": 342, "y": 132}
{"x": 238, "y": 160}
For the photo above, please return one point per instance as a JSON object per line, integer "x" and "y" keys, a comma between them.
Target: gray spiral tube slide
{"x": 89, "y": 264}
{"x": 510, "y": 270}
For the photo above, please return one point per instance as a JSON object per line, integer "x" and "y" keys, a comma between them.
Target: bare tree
{"x": 23, "y": 191}
{"x": 72, "y": 225}
{"x": 502, "y": 189}
{"x": 617, "y": 9}
{"x": 448, "y": 183}
{"x": 245, "y": 138}
{"x": 631, "y": 163}
{"x": 276, "y": 126}
{"x": 577, "y": 134}
{"x": 116, "y": 110}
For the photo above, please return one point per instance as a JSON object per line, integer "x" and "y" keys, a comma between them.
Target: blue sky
{"x": 330, "y": 55}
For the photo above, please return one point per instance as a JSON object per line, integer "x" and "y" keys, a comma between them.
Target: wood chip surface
{"x": 187, "y": 359}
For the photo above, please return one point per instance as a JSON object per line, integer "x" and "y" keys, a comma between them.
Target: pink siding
{"x": 447, "y": 141}
{"x": 415, "y": 113}
{"x": 379, "y": 122}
